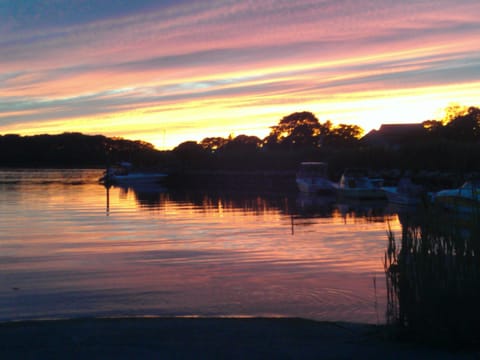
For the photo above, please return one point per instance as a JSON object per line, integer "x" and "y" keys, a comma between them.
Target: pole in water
{"x": 108, "y": 198}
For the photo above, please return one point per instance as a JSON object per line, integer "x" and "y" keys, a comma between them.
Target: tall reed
{"x": 433, "y": 278}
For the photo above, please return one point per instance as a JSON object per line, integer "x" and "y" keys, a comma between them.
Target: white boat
{"x": 405, "y": 193}
{"x": 123, "y": 174}
{"x": 312, "y": 178}
{"x": 463, "y": 199}
{"x": 356, "y": 184}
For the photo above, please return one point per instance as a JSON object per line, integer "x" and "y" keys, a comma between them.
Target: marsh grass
{"x": 433, "y": 279}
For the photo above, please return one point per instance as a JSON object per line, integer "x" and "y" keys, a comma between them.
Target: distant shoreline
{"x": 267, "y": 178}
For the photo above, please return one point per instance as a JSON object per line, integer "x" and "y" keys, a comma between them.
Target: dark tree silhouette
{"x": 453, "y": 111}
{"x": 449, "y": 145}
{"x": 73, "y": 150}
{"x": 191, "y": 155}
{"x": 212, "y": 144}
{"x": 298, "y": 129}
{"x": 243, "y": 143}
{"x": 465, "y": 126}
{"x": 302, "y": 130}
{"x": 344, "y": 135}
{"x": 432, "y": 126}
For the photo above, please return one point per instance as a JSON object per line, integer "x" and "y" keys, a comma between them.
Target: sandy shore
{"x": 192, "y": 338}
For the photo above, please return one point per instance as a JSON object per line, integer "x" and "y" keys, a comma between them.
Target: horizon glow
{"x": 167, "y": 72}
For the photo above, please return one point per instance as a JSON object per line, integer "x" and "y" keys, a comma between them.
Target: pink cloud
{"x": 255, "y": 53}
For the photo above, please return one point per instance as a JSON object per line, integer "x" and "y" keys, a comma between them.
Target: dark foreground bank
{"x": 181, "y": 338}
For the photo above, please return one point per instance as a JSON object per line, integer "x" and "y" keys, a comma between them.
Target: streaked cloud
{"x": 181, "y": 70}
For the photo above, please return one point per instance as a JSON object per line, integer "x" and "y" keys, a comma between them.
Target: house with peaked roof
{"x": 394, "y": 135}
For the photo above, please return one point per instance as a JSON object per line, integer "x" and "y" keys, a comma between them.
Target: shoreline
{"x": 194, "y": 338}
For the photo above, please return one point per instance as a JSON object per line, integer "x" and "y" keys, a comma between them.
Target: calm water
{"x": 69, "y": 248}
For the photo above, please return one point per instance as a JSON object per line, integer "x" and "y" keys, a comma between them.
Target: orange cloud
{"x": 185, "y": 71}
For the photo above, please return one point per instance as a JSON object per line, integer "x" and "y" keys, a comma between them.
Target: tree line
{"x": 73, "y": 150}
{"x": 450, "y": 144}
{"x": 297, "y": 137}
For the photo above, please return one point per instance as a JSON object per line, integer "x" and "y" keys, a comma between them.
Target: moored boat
{"x": 355, "y": 183}
{"x": 125, "y": 175}
{"x": 463, "y": 199}
{"x": 405, "y": 193}
{"x": 312, "y": 178}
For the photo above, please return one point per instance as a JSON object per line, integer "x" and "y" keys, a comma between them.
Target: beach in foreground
{"x": 207, "y": 338}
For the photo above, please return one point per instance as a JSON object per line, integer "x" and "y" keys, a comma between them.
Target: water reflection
{"x": 310, "y": 206}
{"x": 157, "y": 196}
{"x": 224, "y": 253}
{"x": 48, "y": 176}
{"x": 373, "y": 211}
{"x": 298, "y": 205}
{"x": 187, "y": 252}
{"x": 146, "y": 195}
{"x": 433, "y": 278}
{"x": 107, "y": 197}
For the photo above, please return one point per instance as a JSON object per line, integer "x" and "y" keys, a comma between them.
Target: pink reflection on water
{"x": 165, "y": 253}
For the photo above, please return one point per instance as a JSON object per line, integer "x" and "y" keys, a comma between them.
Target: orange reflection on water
{"x": 186, "y": 252}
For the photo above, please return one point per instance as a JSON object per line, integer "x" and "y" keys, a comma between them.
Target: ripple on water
{"x": 67, "y": 240}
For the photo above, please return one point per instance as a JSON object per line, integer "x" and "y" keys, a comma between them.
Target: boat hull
{"x": 458, "y": 203}
{"x": 397, "y": 197}
{"x": 312, "y": 178}
{"x": 465, "y": 199}
{"x": 362, "y": 194}
{"x": 356, "y": 184}
{"x": 315, "y": 186}
{"x": 134, "y": 179}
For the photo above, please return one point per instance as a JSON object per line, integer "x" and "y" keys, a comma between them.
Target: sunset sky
{"x": 170, "y": 71}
